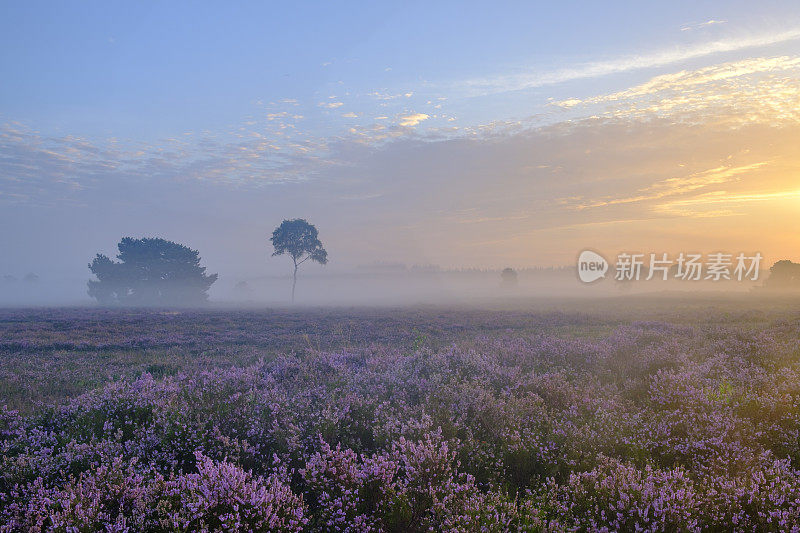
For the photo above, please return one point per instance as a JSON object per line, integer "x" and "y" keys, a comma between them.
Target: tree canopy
{"x": 150, "y": 271}
{"x": 300, "y": 240}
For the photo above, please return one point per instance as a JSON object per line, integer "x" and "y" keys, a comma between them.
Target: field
{"x": 619, "y": 414}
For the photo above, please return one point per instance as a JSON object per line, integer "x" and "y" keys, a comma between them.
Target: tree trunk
{"x": 294, "y": 280}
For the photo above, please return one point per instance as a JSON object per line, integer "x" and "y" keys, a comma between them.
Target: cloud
{"x": 687, "y": 79}
{"x": 705, "y": 24}
{"x": 765, "y": 89}
{"x": 331, "y": 105}
{"x": 350, "y": 115}
{"x": 658, "y": 58}
{"x": 382, "y": 95}
{"x": 413, "y": 119}
{"x": 718, "y": 140}
{"x": 517, "y": 191}
{"x": 678, "y": 185}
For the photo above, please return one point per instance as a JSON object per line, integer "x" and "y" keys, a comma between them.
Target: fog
{"x": 523, "y": 199}
{"x": 381, "y": 286}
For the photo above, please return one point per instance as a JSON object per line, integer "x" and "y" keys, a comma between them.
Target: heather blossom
{"x": 496, "y": 422}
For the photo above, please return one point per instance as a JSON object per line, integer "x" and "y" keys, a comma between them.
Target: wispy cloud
{"x": 701, "y": 25}
{"x": 679, "y": 185}
{"x": 688, "y": 79}
{"x": 658, "y": 58}
{"x": 719, "y": 203}
{"x": 756, "y": 90}
{"x": 509, "y": 185}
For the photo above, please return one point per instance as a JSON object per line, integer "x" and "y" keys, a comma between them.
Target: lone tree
{"x": 300, "y": 240}
{"x": 150, "y": 272}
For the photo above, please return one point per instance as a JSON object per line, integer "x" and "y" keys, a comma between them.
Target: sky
{"x": 461, "y": 134}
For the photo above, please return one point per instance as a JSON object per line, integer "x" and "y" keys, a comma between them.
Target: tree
{"x": 300, "y": 240}
{"x": 509, "y": 277}
{"x": 150, "y": 272}
{"x": 783, "y": 275}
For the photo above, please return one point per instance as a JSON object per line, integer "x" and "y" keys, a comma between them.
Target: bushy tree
{"x": 784, "y": 275}
{"x": 300, "y": 240}
{"x": 150, "y": 271}
{"x": 509, "y": 277}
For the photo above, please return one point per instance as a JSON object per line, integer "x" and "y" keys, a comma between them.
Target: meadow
{"x": 613, "y": 414}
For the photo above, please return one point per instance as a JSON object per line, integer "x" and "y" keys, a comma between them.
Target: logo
{"x": 717, "y": 266}
{"x": 591, "y": 266}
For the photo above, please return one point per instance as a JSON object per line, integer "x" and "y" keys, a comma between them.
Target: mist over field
{"x": 376, "y": 287}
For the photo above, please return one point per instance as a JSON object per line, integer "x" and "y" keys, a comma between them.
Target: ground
{"x": 658, "y": 413}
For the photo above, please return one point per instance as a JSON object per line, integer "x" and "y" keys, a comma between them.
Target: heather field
{"x": 604, "y": 415}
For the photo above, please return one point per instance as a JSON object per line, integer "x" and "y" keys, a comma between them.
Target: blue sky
{"x": 462, "y": 134}
{"x": 151, "y": 70}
